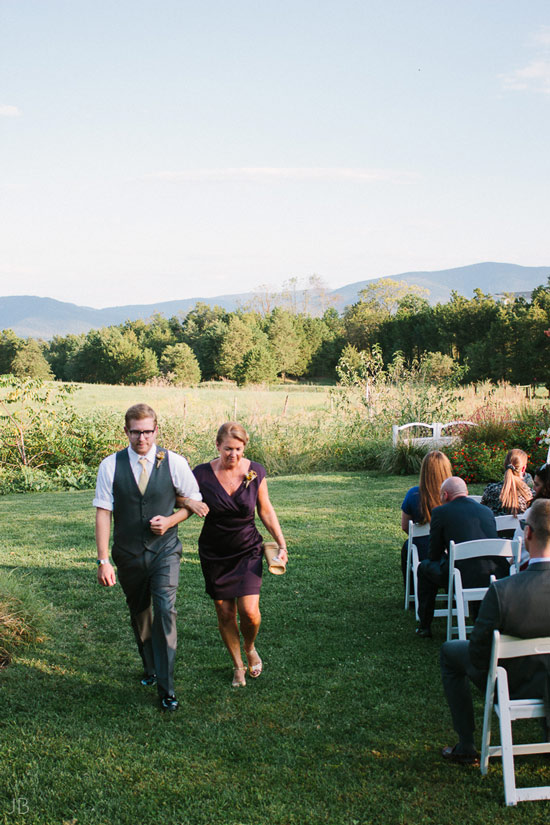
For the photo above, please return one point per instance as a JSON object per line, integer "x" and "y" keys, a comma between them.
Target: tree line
{"x": 472, "y": 339}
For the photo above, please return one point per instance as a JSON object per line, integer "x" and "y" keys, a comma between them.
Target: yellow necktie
{"x": 144, "y": 478}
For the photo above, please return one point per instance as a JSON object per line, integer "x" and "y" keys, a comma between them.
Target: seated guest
{"x": 541, "y": 486}
{"x": 512, "y": 495}
{"x": 517, "y": 606}
{"x": 541, "y": 482}
{"x": 458, "y": 519}
{"x": 421, "y": 499}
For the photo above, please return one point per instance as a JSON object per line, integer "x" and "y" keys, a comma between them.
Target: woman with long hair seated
{"x": 420, "y": 501}
{"x": 511, "y": 495}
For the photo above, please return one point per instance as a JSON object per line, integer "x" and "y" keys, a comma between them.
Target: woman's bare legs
{"x": 226, "y": 610}
{"x": 250, "y": 618}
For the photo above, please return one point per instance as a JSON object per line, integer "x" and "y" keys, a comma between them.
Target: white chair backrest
{"x": 415, "y": 531}
{"x": 480, "y": 548}
{"x": 510, "y": 548}
{"x": 510, "y": 647}
{"x": 507, "y": 522}
{"x": 476, "y": 498}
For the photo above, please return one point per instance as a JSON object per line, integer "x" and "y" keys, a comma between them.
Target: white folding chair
{"x": 476, "y": 498}
{"x": 507, "y": 710}
{"x": 415, "y": 531}
{"x": 506, "y": 523}
{"x": 507, "y": 548}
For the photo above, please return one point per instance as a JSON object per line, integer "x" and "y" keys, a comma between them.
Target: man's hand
{"x": 159, "y": 525}
{"x": 106, "y": 574}
{"x": 199, "y": 508}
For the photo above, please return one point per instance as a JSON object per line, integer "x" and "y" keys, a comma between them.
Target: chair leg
{"x": 408, "y": 578}
{"x": 486, "y": 735}
{"x": 507, "y": 744}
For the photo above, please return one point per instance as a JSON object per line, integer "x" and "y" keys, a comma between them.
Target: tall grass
{"x": 24, "y": 616}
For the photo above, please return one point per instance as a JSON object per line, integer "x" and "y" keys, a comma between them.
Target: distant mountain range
{"x": 30, "y": 316}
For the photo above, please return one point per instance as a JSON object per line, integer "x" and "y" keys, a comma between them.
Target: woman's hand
{"x": 283, "y": 555}
{"x": 199, "y": 508}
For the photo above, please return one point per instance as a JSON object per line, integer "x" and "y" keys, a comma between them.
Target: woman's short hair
{"x": 513, "y": 484}
{"x": 231, "y": 429}
{"x": 139, "y": 411}
{"x": 435, "y": 468}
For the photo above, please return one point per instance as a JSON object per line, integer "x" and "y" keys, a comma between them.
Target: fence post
{"x": 395, "y": 434}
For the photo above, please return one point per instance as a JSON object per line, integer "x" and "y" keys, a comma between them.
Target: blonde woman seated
{"x": 420, "y": 500}
{"x": 512, "y": 495}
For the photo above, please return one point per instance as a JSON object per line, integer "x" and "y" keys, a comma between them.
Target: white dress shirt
{"x": 185, "y": 483}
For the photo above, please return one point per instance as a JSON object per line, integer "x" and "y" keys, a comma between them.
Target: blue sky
{"x": 163, "y": 149}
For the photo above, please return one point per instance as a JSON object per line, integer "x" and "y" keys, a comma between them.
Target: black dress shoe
{"x": 169, "y": 703}
{"x": 149, "y": 680}
{"x": 424, "y": 632}
{"x": 459, "y": 757}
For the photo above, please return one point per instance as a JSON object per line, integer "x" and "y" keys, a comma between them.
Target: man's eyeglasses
{"x": 139, "y": 433}
{"x": 523, "y": 523}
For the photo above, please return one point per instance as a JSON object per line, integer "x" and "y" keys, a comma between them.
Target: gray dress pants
{"x": 150, "y": 583}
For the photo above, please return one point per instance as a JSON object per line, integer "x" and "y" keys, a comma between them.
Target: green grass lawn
{"x": 344, "y": 727}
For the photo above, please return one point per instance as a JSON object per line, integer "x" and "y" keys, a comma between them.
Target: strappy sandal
{"x": 256, "y": 669}
{"x": 238, "y": 677}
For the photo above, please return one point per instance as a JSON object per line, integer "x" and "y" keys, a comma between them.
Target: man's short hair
{"x": 139, "y": 411}
{"x": 538, "y": 519}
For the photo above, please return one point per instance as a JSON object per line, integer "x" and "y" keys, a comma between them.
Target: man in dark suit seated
{"x": 458, "y": 519}
{"x": 517, "y": 606}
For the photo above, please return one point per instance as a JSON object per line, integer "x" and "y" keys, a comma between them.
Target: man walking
{"x": 136, "y": 489}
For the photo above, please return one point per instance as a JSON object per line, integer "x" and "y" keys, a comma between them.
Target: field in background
{"x": 222, "y": 400}
{"x": 213, "y": 401}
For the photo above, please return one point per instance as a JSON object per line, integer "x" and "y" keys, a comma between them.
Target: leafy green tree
{"x": 241, "y": 333}
{"x": 9, "y": 344}
{"x": 110, "y": 356}
{"x": 179, "y": 364}
{"x": 155, "y": 333}
{"x": 257, "y": 367}
{"x": 204, "y": 329}
{"x": 61, "y": 352}
{"x": 29, "y": 361}
{"x": 286, "y": 344}
{"x": 438, "y": 368}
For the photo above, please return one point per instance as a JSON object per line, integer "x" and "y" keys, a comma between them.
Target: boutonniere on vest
{"x": 161, "y": 455}
{"x": 250, "y": 477}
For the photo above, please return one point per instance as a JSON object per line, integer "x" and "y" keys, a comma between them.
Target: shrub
{"x": 477, "y": 463}
{"x": 24, "y": 618}
{"x": 403, "y": 460}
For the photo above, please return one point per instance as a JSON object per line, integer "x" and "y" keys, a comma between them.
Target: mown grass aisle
{"x": 344, "y": 727}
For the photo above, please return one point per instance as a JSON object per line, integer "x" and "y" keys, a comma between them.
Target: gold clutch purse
{"x": 274, "y": 563}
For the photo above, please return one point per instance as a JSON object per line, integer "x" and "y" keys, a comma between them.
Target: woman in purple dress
{"x": 230, "y": 546}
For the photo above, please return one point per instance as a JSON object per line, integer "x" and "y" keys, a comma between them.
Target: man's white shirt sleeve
{"x": 183, "y": 479}
{"x": 104, "y": 484}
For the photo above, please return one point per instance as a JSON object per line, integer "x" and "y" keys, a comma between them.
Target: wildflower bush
{"x": 479, "y": 457}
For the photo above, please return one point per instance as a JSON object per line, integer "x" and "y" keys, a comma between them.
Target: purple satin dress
{"x": 230, "y": 546}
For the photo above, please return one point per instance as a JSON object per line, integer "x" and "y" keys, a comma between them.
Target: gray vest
{"x": 132, "y": 511}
